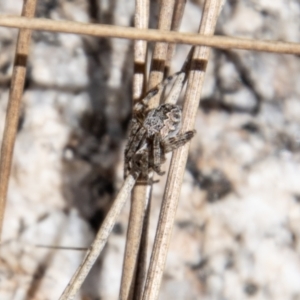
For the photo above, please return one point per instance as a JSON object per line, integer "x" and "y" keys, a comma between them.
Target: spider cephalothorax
{"x": 153, "y": 133}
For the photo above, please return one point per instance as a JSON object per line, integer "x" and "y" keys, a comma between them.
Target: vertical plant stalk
{"x": 138, "y": 231}
{"x": 135, "y": 259}
{"x": 141, "y": 21}
{"x": 160, "y": 50}
{"x": 139, "y": 200}
{"x": 143, "y": 251}
{"x": 100, "y": 239}
{"x": 178, "y": 162}
{"x": 176, "y": 21}
{"x": 135, "y": 253}
{"x": 14, "y": 104}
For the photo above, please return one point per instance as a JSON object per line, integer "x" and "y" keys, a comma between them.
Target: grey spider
{"x": 153, "y": 133}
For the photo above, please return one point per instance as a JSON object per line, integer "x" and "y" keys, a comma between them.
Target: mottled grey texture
{"x": 237, "y": 229}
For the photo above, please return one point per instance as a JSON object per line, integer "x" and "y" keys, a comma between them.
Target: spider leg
{"x": 136, "y": 141}
{"x": 180, "y": 80}
{"x": 140, "y": 162}
{"x": 172, "y": 143}
{"x": 157, "y": 155}
{"x": 141, "y": 105}
{"x": 134, "y": 127}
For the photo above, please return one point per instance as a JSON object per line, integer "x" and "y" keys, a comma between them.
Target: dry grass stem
{"x": 160, "y": 50}
{"x": 100, "y": 240}
{"x": 139, "y": 200}
{"x": 177, "y": 168}
{"x": 141, "y": 20}
{"x": 180, "y": 80}
{"x": 134, "y": 268}
{"x": 160, "y": 56}
{"x": 176, "y": 21}
{"x": 13, "y": 108}
{"x": 134, "y": 262}
{"x": 135, "y": 253}
{"x": 143, "y": 251}
{"x": 150, "y": 35}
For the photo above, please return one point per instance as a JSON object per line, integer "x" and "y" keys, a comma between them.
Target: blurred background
{"x": 237, "y": 229}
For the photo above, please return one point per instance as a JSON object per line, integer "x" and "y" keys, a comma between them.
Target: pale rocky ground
{"x": 237, "y": 229}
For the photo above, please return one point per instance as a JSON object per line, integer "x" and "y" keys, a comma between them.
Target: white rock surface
{"x": 237, "y": 228}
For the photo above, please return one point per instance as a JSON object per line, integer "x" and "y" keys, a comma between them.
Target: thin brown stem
{"x": 177, "y": 168}
{"x": 136, "y": 254}
{"x": 142, "y": 260}
{"x": 160, "y": 50}
{"x": 100, "y": 240}
{"x": 139, "y": 200}
{"x": 141, "y": 21}
{"x": 133, "y": 261}
{"x": 176, "y": 21}
{"x": 13, "y": 108}
{"x": 220, "y": 42}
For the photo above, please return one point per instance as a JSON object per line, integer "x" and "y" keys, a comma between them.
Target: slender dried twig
{"x": 142, "y": 259}
{"x": 135, "y": 261}
{"x": 139, "y": 200}
{"x": 13, "y": 108}
{"x": 150, "y": 35}
{"x": 173, "y": 186}
{"x": 141, "y": 21}
{"x": 160, "y": 50}
{"x": 176, "y": 21}
{"x": 100, "y": 239}
{"x": 143, "y": 193}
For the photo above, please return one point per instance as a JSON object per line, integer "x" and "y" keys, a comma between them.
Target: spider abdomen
{"x": 165, "y": 119}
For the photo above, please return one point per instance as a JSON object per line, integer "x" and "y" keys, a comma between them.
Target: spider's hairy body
{"x": 153, "y": 133}
{"x": 166, "y": 120}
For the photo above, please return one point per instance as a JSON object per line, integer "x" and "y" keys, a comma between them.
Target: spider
{"x": 153, "y": 133}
